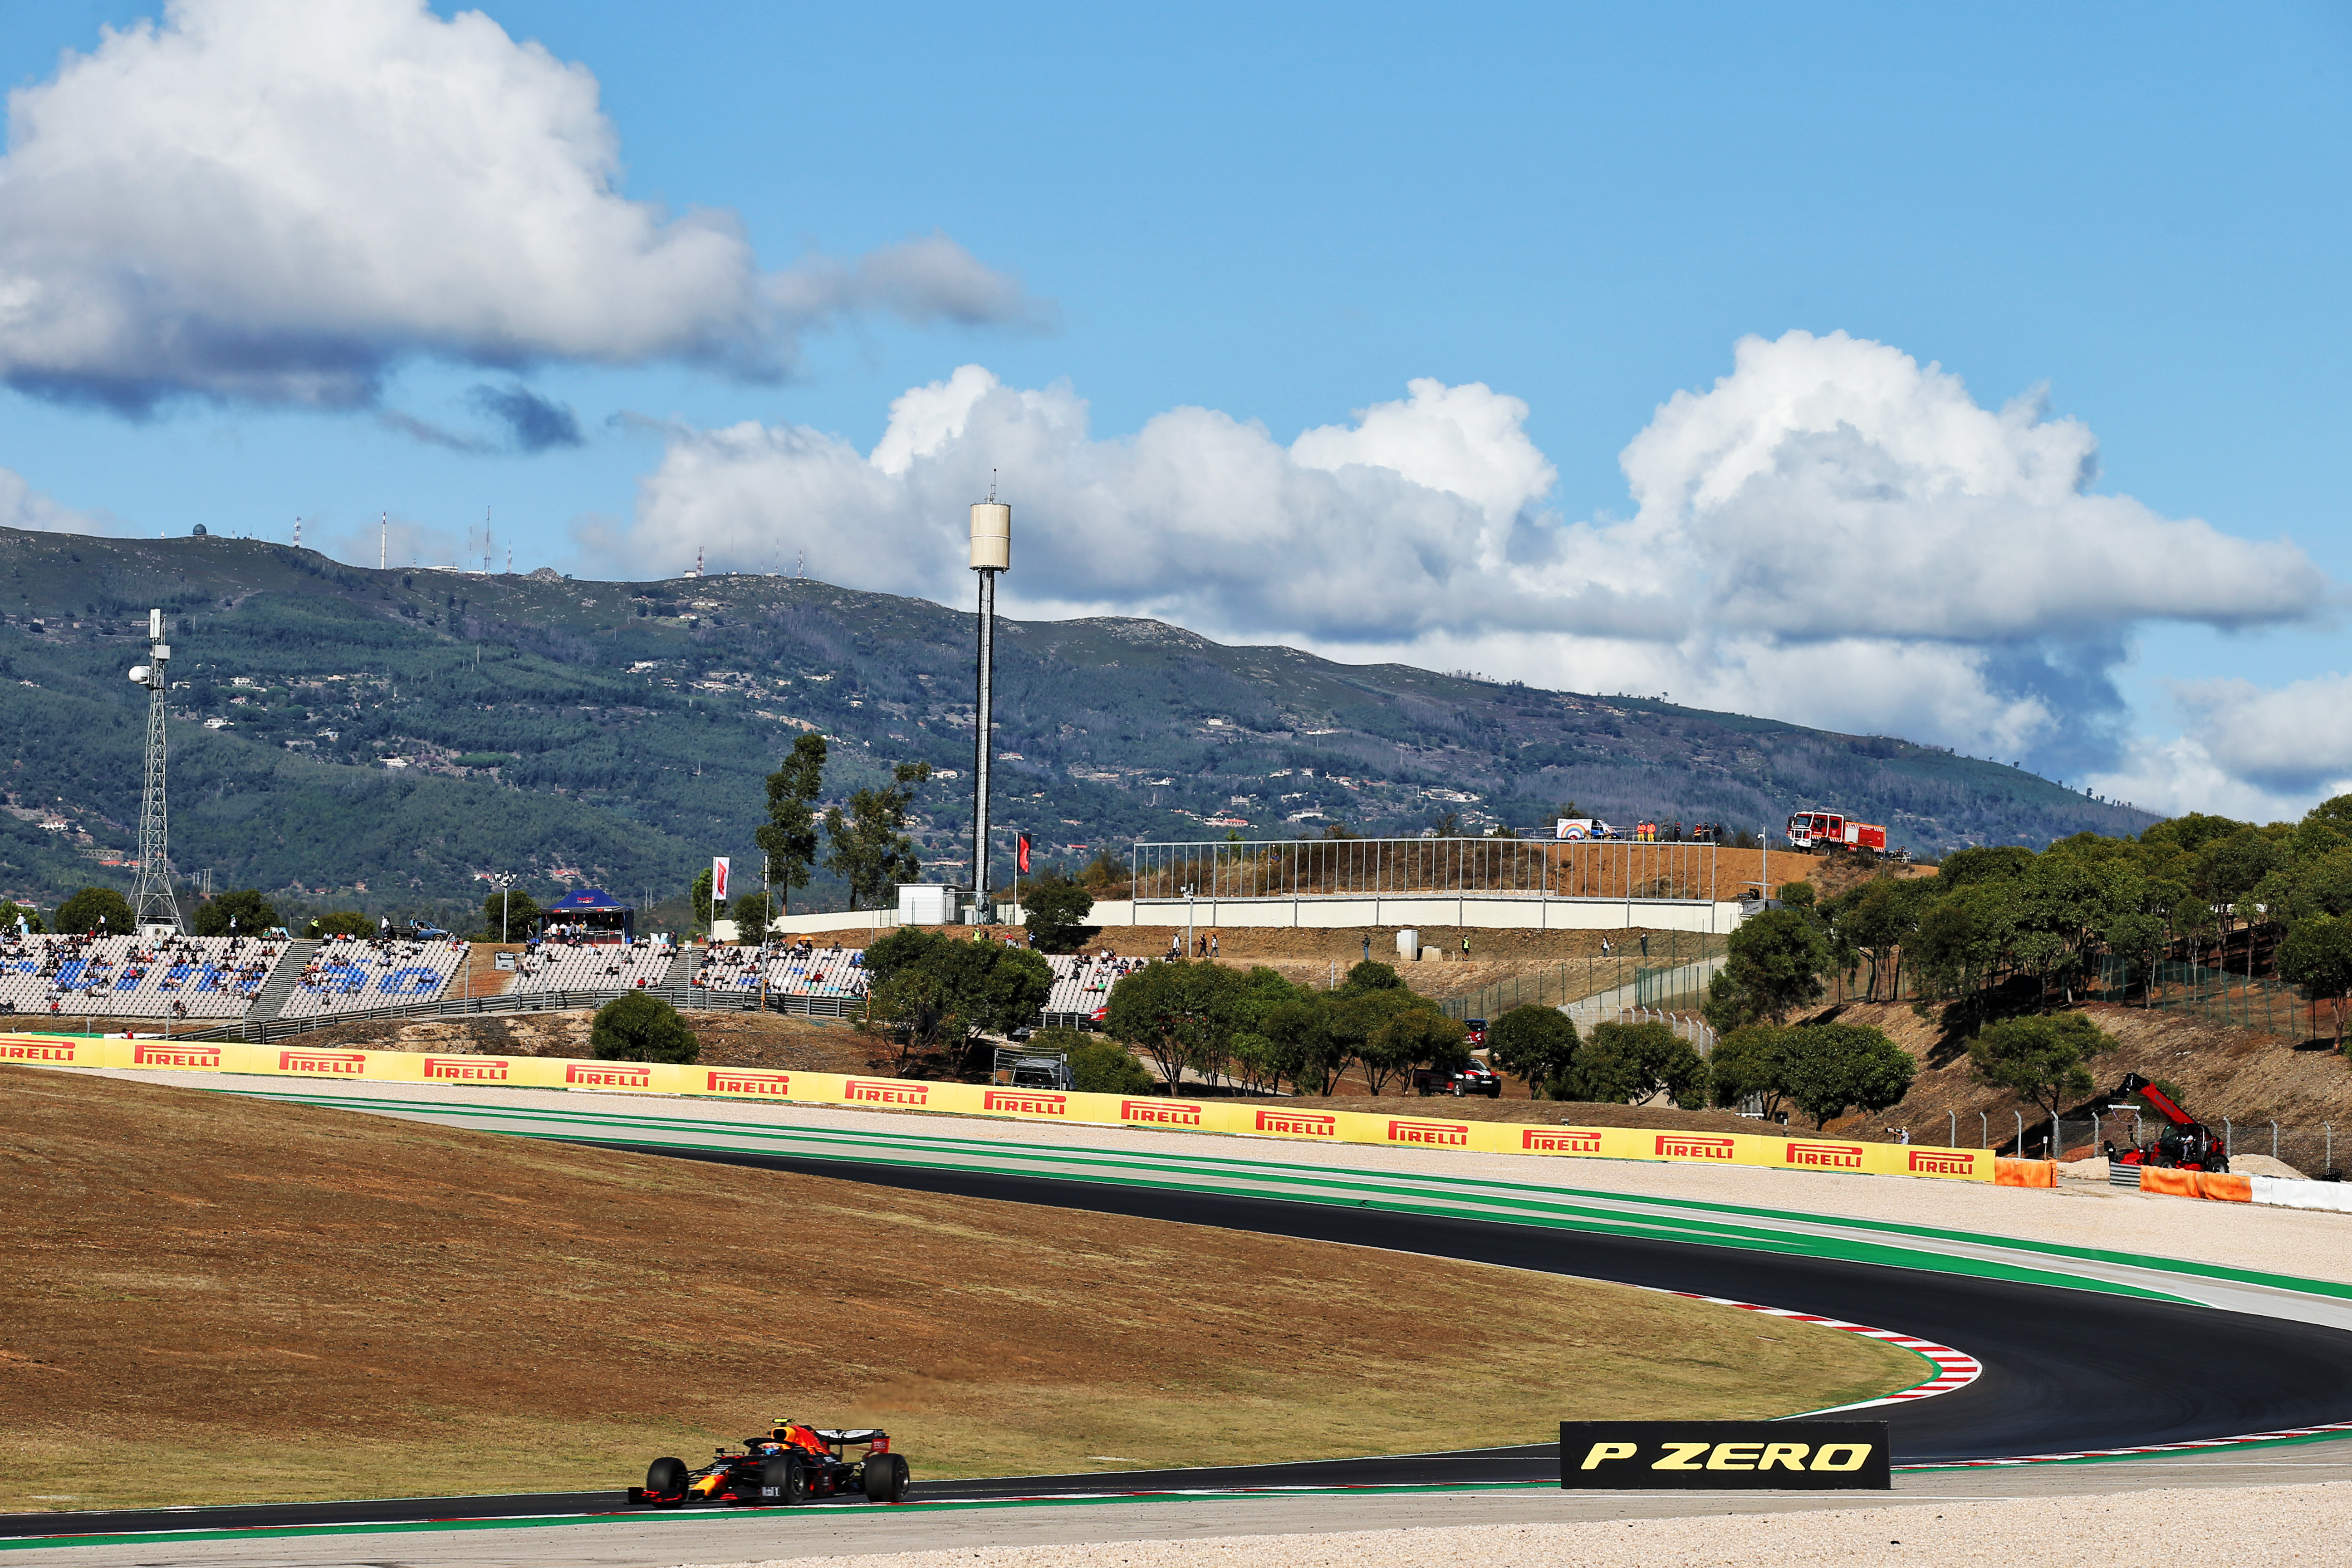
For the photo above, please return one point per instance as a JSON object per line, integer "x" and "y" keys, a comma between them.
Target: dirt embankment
{"x": 217, "y": 1299}
{"x": 2247, "y": 1076}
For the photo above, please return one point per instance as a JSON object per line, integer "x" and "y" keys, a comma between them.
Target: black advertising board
{"x": 1724, "y": 1455}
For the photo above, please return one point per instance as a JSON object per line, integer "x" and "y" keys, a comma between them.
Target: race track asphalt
{"x": 2065, "y": 1370}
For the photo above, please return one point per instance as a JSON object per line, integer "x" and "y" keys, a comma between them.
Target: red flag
{"x": 718, "y": 879}
{"x": 1022, "y": 858}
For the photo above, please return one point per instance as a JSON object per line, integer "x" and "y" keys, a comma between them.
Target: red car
{"x": 793, "y": 1463}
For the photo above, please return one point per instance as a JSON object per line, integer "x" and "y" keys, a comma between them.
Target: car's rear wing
{"x": 867, "y": 1435}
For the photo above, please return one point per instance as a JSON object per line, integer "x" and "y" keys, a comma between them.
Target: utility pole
{"x": 992, "y": 552}
{"x": 155, "y": 909}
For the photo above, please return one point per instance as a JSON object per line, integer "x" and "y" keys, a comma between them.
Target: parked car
{"x": 1476, "y": 1078}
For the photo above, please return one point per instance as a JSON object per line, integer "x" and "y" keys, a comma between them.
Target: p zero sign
{"x": 1724, "y": 1455}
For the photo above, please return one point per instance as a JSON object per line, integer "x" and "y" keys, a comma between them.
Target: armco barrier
{"x": 1245, "y": 1118}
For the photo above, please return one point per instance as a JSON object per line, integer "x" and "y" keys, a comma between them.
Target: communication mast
{"x": 153, "y": 905}
{"x": 992, "y": 552}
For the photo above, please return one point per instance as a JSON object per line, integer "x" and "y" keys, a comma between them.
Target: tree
{"x": 1773, "y": 965}
{"x": 2318, "y": 956}
{"x": 1627, "y": 1064}
{"x": 1179, "y": 1013}
{"x": 1745, "y": 1064}
{"x": 1535, "y": 1043}
{"x": 985, "y": 984}
{"x": 1298, "y": 1031}
{"x": 1877, "y": 918}
{"x": 12, "y": 911}
{"x": 96, "y": 909}
{"x": 2043, "y": 1060}
{"x": 698, "y": 899}
{"x": 788, "y": 838}
{"x": 246, "y": 907}
{"x": 913, "y": 1010}
{"x": 509, "y": 915}
{"x": 1054, "y": 909}
{"x": 870, "y": 850}
{"x": 638, "y": 1028}
{"x": 1825, "y": 1068}
{"x": 1419, "y": 1035}
{"x": 1370, "y": 974}
{"x": 1357, "y": 1021}
{"x": 751, "y": 914}
{"x": 341, "y": 922}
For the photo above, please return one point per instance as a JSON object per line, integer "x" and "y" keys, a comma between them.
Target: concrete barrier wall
{"x": 1250, "y": 1117}
{"x": 1427, "y": 911}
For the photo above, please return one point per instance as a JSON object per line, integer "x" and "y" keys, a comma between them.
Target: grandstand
{"x": 1082, "y": 986}
{"x": 349, "y": 974}
{"x": 559, "y": 964}
{"x": 804, "y": 970}
{"x": 138, "y": 977}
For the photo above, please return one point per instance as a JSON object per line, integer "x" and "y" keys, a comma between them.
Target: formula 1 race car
{"x": 793, "y": 1463}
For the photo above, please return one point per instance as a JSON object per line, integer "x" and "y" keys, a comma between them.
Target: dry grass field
{"x": 215, "y": 1298}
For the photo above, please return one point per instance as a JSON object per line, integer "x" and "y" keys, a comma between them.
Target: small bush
{"x": 641, "y": 1028}
{"x": 1098, "y": 1066}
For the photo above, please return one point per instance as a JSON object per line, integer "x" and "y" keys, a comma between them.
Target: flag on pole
{"x": 718, "y": 879}
{"x": 1022, "y": 858}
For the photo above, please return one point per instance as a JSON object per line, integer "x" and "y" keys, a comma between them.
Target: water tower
{"x": 992, "y": 552}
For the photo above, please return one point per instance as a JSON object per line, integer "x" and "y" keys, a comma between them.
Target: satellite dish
{"x": 139, "y": 672}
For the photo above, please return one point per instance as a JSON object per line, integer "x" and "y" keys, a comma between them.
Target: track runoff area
{"x": 2044, "y": 1369}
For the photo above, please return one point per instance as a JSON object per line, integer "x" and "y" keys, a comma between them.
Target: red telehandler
{"x": 2188, "y": 1144}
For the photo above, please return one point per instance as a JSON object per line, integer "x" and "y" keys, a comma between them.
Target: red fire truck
{"x": 1812, "y": 831}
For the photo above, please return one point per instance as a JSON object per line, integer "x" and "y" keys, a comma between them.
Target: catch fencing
{"x": 2309, "y": 1151}
{"x": 2214, "y": 995}
{"x": 1411, "y": 867}
{"x": 1663, "y": 971}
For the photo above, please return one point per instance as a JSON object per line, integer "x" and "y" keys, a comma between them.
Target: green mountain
{"x": 383, "y": 740}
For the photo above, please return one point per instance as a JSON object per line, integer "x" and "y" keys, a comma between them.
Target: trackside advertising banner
{"x": 1243, "y": 1118}
{"x": 1724, "y": 1455}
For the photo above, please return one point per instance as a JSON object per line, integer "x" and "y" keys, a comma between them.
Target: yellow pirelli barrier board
{"x": 1240, "y": 1118}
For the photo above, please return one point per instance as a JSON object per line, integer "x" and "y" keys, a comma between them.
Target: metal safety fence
{"x": 1410, "y": 868}
{"x": 2214, "y": 995}
{"x": 1664, "y": 971}
{"x": 2303, "y": 1151}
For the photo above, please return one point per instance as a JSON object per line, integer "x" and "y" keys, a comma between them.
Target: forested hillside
{"x": 379, "y": 739}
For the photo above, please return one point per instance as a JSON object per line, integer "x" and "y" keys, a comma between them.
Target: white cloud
{"x": 22, "y": 506}
{"x": 277, "y": 199}
{"x": 1831, "y": 534}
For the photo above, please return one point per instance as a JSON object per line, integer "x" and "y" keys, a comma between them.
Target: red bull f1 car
{"x": 791, "y": 1465}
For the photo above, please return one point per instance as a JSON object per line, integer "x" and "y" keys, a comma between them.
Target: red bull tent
{"x": 594, "y": 914}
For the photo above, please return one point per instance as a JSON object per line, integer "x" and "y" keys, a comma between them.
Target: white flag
{"x": 718, "y": 880}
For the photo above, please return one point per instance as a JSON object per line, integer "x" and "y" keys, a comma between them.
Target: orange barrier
{"x": 2024, "y": 1174}
{"x": 2197, "y": 1185}
{"x": 1244, "y": 1118}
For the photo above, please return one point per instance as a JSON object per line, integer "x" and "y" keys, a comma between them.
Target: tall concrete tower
{"x": 992, "y": 552}
{"x": 152, "y": 901}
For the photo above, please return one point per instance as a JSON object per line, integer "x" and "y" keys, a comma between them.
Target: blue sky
{"x": 1284, "y": 215}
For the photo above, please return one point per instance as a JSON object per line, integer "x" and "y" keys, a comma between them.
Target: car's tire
{"x": 1457, "y": 1091}
{"x": 666, "y": 1482}
{"x": 788, "y": 1475}
{"x": 886, "y": 1478}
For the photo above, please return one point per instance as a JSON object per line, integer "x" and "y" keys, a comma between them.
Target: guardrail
{"x": 691, "y": 999}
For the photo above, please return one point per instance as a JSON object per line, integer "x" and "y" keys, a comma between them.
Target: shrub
{"x": 1098, "y": 1066}
{"x": 341, "y": 922}
{"x": 636, "y": 1027}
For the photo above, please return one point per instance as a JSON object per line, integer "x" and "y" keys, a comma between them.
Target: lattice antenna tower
{"x": 153, "y": 904}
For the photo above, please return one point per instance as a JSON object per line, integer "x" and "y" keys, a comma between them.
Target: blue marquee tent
{"x": 596, "y": 909}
